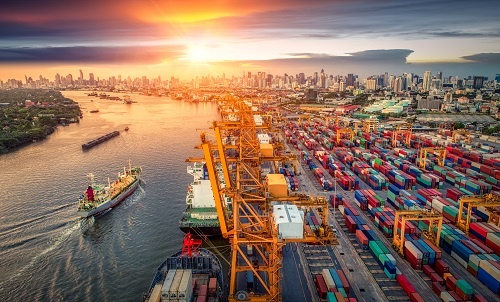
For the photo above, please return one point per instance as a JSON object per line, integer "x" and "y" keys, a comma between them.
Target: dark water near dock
{"x": 46, "y": 252}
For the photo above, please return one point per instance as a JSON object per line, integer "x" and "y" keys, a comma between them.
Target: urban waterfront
{"x": 47, "y": 253}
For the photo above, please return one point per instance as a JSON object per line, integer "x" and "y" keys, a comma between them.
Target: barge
{"x": 99, "y": 140}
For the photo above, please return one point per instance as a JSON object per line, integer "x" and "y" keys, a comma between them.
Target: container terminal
{"x": 330, "y": 208}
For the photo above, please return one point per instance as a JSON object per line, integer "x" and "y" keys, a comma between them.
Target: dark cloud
{"x": 398, "y": 55}
{"x": 385, "y": 55}
{"x": 138, "y": 55}
{"x": 463, "y": 34}
{"x": 487, "y": 58}
{"x": 404, "y": 19}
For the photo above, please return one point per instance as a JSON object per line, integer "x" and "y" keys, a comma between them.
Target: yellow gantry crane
{"x": 250, "y": 225}
{"x": 304, "y": 116}
{"x": 458, "y": 133}
{"x": 370, "y": 126}
{"x": 440, "y": 154}
{"x": 404, "y": 129}
{"x": 435, "y": 221}
{"x": 347, "y": 131}
{"x": 490, "y": 200}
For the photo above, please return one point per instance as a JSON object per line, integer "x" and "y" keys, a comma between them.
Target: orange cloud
{"x": 202, "y": 10}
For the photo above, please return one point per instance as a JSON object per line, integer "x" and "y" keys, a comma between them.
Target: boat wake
{"x": 21, "y": 225}
{"x": 54, "y": 242}
{"x": 134, "y": 198}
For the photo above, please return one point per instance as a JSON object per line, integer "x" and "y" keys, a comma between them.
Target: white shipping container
{"x": 165, "y": 294}
{"x": 490, "y": 269}
{"x": 288, "y": 220}
{"x": 330, "y": 283}
{"x": 185, "y": 291}
{"x": 446, "y": 297}
{"x": 474, "y": 259}
{"x": 413, "y": 249}
{"x": 459, "y": 260}
{"x": 391, "y": 258}
{"x": 175, "y": 285}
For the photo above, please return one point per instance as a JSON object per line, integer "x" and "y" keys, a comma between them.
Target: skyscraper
{"x": 478, "y": 82}
{"x": 350, "y": 79}
{"x": 427, "y": 81}
{"x": 80, "y": 78}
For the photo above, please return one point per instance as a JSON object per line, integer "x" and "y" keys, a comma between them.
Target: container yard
{"x": 360, "y": 214}
{"x": 374, "y": 183}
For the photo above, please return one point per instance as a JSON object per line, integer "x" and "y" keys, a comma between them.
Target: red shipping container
{"x": 415, "y": 297}
{"x": 455, "y": 296}
{"x": 361, "y": 237}
{"x": 344, "y": 281}
{"x": 441, "y": 267}
{"x": 472, "y": 271}
{"x": 321, "y": 286}
{"x": 437, "y": 288}
{"x": 462, "y": 295}
{"x": 427, "y": 270}
{"x": 436, "y": 278}
{"x": 435, "y": 248}
{"x": 451, "y": 283}
{"x": 405, "y": 284}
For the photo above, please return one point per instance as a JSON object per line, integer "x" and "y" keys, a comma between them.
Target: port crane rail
{"x": 490, "y": 200}
{"x": 251, "y": 224}
{"x": 435, "y": 221}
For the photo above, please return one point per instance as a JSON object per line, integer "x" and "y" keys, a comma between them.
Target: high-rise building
{"x": 80, "y": 78}
{"x": 427, "y": 81}
{"x": 497, "y": 77}
{"x": 371, "y": 84}
{"x": 91, "y": 79}
{"x": 350, "y": 79}
{"x": 478, "y": 82}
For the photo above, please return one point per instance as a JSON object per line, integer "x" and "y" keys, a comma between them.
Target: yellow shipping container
{"x": 277, "y": 185}
{"x": 266, "y": 150}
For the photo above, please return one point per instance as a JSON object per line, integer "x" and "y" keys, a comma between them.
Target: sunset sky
{"x": 192, "y": 37}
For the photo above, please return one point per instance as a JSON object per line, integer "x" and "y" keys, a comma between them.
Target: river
{"x": 47, "y": 253}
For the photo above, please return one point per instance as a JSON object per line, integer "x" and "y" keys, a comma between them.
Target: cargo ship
{"x": 98, "y": 198}
{"x": 191, "y": 274}
{"x": 200, "y": 216}
{"x": 99, "y": 140}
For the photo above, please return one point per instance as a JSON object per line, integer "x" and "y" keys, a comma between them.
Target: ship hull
{"x": 111, "y": 203}
{"x": 206, "y": 231}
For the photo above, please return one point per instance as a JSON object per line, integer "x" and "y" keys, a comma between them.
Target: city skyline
{"x": 197, "y": 38}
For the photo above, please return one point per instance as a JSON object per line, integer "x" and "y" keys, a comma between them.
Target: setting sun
{"x": 198, "y": 53}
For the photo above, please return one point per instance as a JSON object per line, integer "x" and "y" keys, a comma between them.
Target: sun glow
{"x": 198, "y": 53}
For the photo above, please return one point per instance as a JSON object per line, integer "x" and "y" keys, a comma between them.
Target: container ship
{"x": 200, "y": 216}
{"x": 192, "y": 274}
{"x": 98, "y": 198}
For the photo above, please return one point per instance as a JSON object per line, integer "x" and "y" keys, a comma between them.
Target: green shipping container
{"x": 330, "y": 297}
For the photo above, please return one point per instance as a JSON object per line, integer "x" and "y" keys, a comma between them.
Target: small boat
{"x": 94, "y": 111}
{"x": 98, "y": 198}
{"x": 192, "y": 274}
{"x": 126, "y": 128}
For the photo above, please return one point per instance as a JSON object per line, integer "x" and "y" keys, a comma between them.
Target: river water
{"x": 47, "y": 253}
